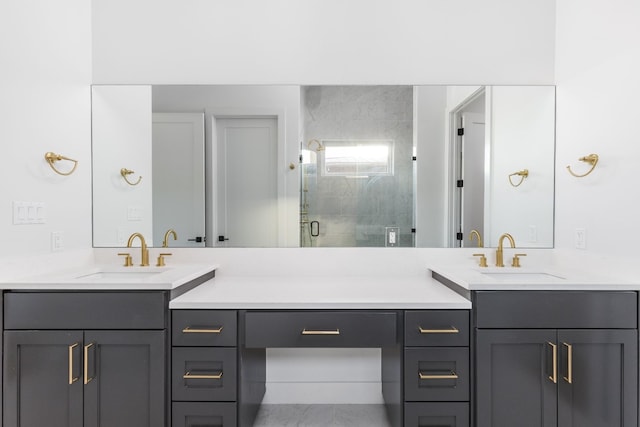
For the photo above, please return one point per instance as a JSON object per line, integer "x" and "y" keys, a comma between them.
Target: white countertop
{"x": 97, "y": 277}
{"x": 285, "y": 292}
{"x": 532, "y": 278}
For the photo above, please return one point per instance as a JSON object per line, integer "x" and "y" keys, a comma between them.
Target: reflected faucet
{"x": 477, "y": 234}
{"x": 165, "y": 241}
{"x": 144, "y": 261}
{"x": 499, "y": 252}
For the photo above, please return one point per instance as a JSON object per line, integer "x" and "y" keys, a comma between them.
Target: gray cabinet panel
{"x": 447, "y": 328}
{"x": 127, "y": 387}
{"x": 436, "y": 374}
{"x": 320, "y": 329}
{"x": 214, "y": 328}
{"x": 204, "y": 414}
{"x": 37, "y": 369}
{"x": 436, "y": 414}
{"x": 513, "y": 384}
{"x": 556, "y": 309}
{"x": 603, "y": 370}
{"x": 210, "y": 372}
{"x": 85, "y": 310}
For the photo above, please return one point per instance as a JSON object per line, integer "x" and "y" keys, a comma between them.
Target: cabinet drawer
{"x": 85, "y": 310}
{"x": 436, "y": 374}
{"x": 213, "y": 328}
{"x": 203, "y": 414}
{"x": 436, "y": 414}
{"x": 556, "y": 309}
{"x": 436, "y": 328}
{"x": 203, "y": 374}
{"x": 320, "y": 329}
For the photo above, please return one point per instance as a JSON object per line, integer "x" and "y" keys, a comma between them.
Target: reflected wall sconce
{"x": 126, "y": 172}
{"x": 524, "y": 173}
{"x": 318, "y": 145}
{"x": 591, "y": 159}
{"x": 51, "y": 158}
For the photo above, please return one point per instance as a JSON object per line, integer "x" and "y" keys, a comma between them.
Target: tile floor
{"x": 321, "y": 416}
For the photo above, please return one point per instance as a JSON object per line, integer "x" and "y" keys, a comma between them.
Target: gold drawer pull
{"x": 569, "y": 377}
{"x": 190, "y": 376}
{"x": 453, "y": 330}
{"x": 554, "y": 360}
{"x": 72, "y": 379}
{"x": 320, "y": 332}
{"x": 192, "y": 330}
{"x": 451, "y": 376}
{"x": 86, "y": 363}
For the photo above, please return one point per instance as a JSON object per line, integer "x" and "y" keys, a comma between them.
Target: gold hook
{"x": 592, "y": 159}
{"x": 524, "y": 173}
{"x": 53, "y": 157}
{"x": 124, "y": 172}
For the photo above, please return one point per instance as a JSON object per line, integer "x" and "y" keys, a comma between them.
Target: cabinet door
{"x": 515, "y": 378}
{"x": 42, "y": 379}
{"x": 598, "y": 379}
{"x": 125, "y": 371}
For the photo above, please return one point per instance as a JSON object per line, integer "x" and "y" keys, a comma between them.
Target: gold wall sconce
{"x": 591, "y": 159}
{"x": 126, "y": 172}
{"x": 51, "y": 158}
{"x": 524, "y": 173}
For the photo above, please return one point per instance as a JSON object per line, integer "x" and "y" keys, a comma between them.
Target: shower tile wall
{"x": 355, "y": 211}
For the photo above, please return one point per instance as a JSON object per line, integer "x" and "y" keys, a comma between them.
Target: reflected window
{"x": 362, "y": 158}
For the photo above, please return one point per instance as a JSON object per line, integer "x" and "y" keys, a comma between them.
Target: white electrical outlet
{"x": 581, "y": 238}
{"x": 533, "y": 234}
{"x": 391, "y": 236}
{"x": 57, "y": 243}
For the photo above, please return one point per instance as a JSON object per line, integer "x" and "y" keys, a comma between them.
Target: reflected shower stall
{"x": 357, "y": 168}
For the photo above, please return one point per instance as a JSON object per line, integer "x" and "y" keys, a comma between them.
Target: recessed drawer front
{"x": 436, "y": 414}
{"x": 320, "y": 329}
{"x": 203, "y": 374}
{"x": 556, "y": 309}
{"x": 437, "y": 328}
{"x": 436, "y": 374}
{"x": 85, "y": 310}
{"x": 203, "y": 414}
{"x": 213, "y": 328}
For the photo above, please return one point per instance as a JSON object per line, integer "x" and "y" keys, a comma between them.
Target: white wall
{"x": 45, "y": 106}
{"x": 324, "y": 41}
{"x": 121, "y": 127}
{"x": 598, "y": 64}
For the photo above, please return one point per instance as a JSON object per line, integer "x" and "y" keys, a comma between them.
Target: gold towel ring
{"x": 524, "y": 173}
{"x": 592, "y": 159}
{"x": 51, "y": 158}
{"x": 124, "y": 172}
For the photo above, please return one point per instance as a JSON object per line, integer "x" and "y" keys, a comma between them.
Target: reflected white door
{"x": 473, "y": 149}
{"x": 178, "y": 178}
{"x": 247, "y": 150}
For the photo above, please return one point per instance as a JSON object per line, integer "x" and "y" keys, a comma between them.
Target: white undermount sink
{"x": 117, "y": 276}
{"x": 524, "y": 276}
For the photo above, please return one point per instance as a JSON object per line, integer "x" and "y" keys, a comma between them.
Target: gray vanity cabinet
{"x": 97, "y": 371}
{"x": 582, "y": 372}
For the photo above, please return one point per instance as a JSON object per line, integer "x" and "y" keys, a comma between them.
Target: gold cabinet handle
{"x": 192, "y": 330}
{"x": 72, "y": 379}
{"x": 86, "y": 363}
{"x": 190, "y": 376}
{"x": 320, "y": 332}
{"x": 554, "y": 361}
{"x": 452, "y": 330}
{"x": 569, "y": 377}
{"x": 451, "y": 376}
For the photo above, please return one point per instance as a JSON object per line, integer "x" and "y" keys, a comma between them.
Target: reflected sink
{"x": 118, "y": 276}
{"x": 523, "y": 276}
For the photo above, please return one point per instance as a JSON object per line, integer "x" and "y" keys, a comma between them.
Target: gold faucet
{"x": 499, "y": 252}
{"x": 477, "y": 234}
{"x": 144, "y": 262}
{"x": 165, "y": 242}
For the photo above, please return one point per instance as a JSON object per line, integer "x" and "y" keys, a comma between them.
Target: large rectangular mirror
{"x": 323, "y": 166}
